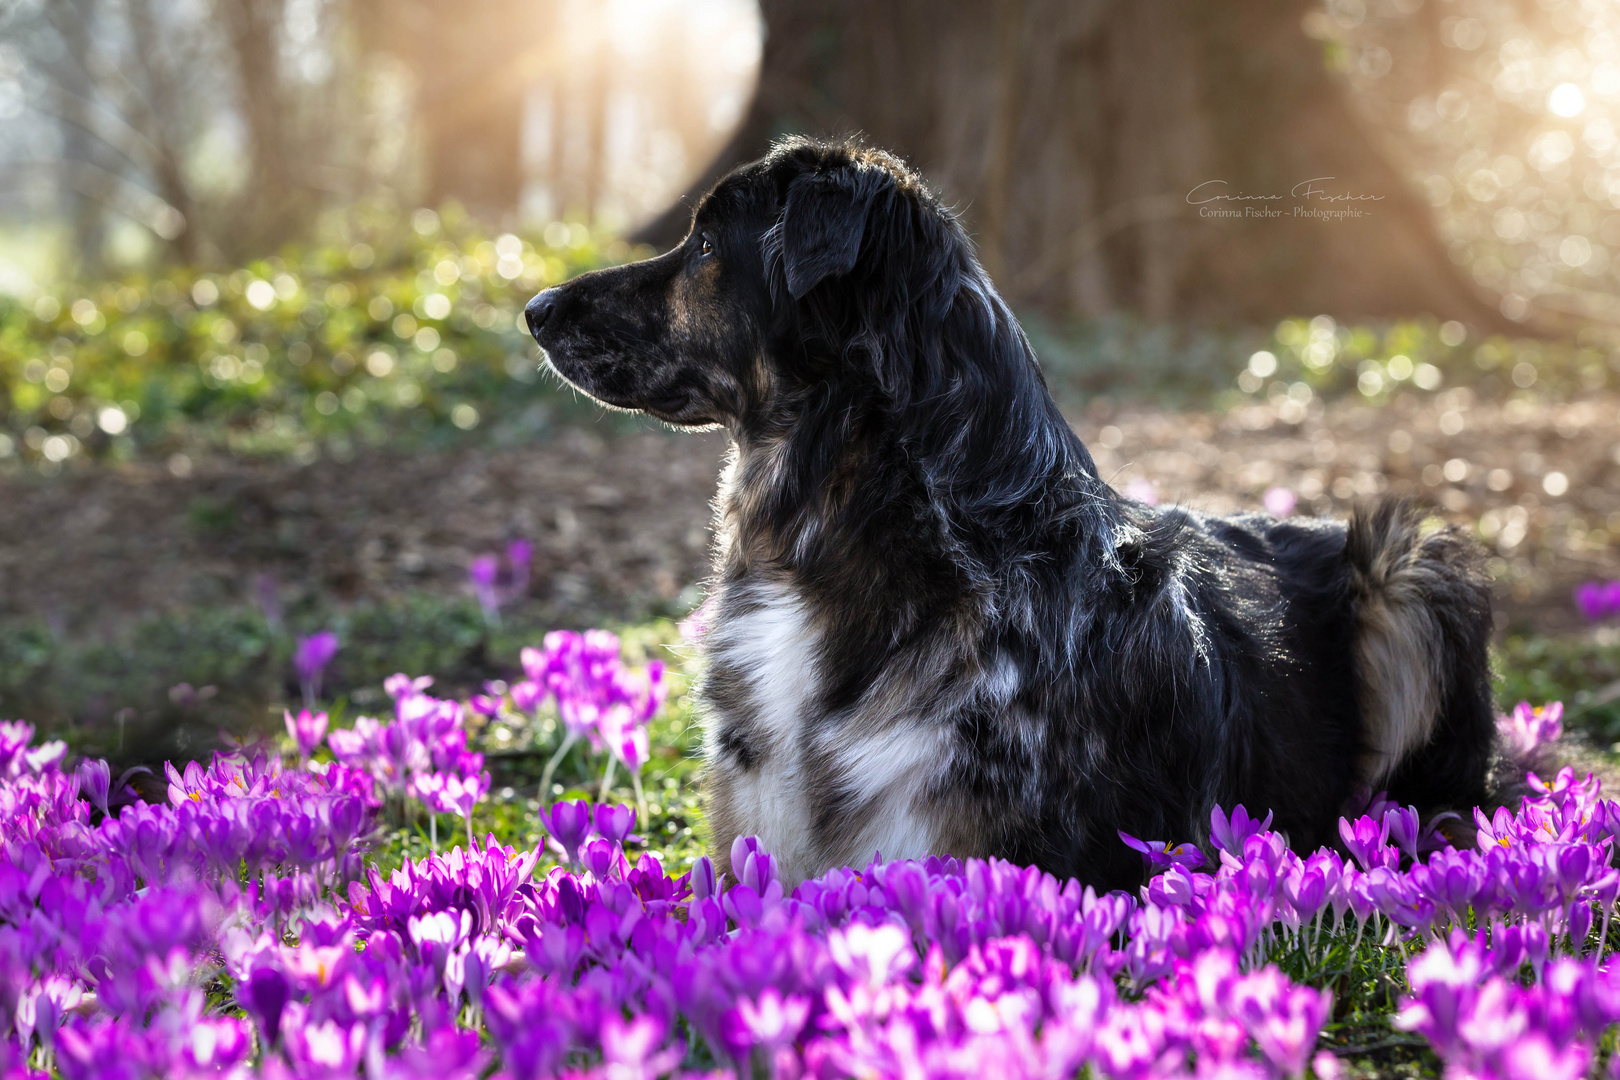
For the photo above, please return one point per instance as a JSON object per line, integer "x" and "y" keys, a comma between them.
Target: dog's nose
{"x": 540, "y": 309}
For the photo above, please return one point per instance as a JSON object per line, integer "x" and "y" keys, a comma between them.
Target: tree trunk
{"x": 78, "y": 147}
{"x": 157, "y": 112}
{"x": 472, "y": 64}
{"x": 1072, "y": 134}
{"x": 277, "y": 193}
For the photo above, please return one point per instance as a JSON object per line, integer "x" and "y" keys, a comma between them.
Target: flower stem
{"x": 641, "y": 799}
{"x": 551, "y": 768}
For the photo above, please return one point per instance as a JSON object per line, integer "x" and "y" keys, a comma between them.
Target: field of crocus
{"x": 259, "y": 922}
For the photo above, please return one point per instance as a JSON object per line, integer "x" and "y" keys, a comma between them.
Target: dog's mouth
{"x": 668, "y": 404}
{"x": 680, "y": 406}
{"x": 682, "y": 409}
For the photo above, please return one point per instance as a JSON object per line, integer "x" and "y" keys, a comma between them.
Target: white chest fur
{"x": 868, "y": 768}
{"x": 762, "y": 647}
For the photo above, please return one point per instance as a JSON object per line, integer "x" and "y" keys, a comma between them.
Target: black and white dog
{"x": 934, "y": 627}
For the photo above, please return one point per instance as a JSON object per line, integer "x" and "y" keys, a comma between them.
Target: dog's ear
{"x": 823, "y": 220}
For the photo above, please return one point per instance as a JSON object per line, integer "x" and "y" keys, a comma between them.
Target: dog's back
{"x": 1373, "y": 635}
{"x": 1292, "y": 666}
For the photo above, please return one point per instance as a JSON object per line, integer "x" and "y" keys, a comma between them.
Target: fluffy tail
{"x": 1424, "y": 621}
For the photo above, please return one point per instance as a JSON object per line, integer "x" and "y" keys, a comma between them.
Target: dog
{"x": 933, "y": 627}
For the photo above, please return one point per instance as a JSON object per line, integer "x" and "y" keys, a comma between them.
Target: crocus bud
{"x": 1401, "y": 823}
{"x": 615, "y": 822}
{"x": 95, "y": 781}
{"x": 264, "y": 996}
{"x": 570, "y": 825}
{"x": 1580, "y": 924}
{"x": 703, "y": 879}
{"x": 308, "y": 729}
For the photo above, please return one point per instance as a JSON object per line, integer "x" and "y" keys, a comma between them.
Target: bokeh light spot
{"x": 1566, "y": 100}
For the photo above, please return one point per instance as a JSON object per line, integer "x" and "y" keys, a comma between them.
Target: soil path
{"x": 622, "y": 526}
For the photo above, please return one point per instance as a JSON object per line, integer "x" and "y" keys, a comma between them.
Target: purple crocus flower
{"x": 1525, "y": 729}
{"x": 772, "y": 1020}
{"x": 1228, "y": 833}
{"x": 325, "y": 1049}
{"x": 615, "y": 822}
{"x": 95, "y": 782}
{"x": 1367, "y": 840}
{"x": 310, "y": 658}
{"x": 527, "y": 695}
{"x": 1401, "y": 825}
{"x": 482, "y": 572}
{"x": 1590, "y": 600}
{"x": 703, "y": 881}
{"x": 308, "y": 730}
{"x": 489, "y": 702}
{"x": 1160, "y": 854}
{"x": 1598, "y": 600}
{"x": 263, "y": 996}
{"x": 400, "y": 685}
{"x": 570, "y": 824}
{"x": 632, "y": 1048}
{"x": 754, "y": 867}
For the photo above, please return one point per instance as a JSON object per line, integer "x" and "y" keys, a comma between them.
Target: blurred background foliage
{"x": 412, "y": 336}
{"x": 375, "y": 332}
{"x": 258, "y": 234}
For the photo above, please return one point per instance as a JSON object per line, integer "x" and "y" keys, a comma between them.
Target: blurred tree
{"x": 1071, "y": 134}
{"x": 225, "y": 127}
{"x": 159, "y": 111}
{"x": 78, "y": 145}
{"x": 222, "y": 127}
{"x": 472, "y": 64}
{"x": 1508, "y": 115}
{"x": 278, "y": 158}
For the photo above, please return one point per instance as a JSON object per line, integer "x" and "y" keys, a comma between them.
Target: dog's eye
{"x": 705, "y": 248}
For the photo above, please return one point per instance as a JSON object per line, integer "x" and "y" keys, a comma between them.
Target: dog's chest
{"x": 782, "y": 769}
{"x": 761, "y": 686}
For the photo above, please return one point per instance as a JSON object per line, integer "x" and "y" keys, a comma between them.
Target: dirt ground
{"x": 621, "y": 525}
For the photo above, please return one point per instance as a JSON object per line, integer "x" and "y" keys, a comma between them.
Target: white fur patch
{"x": 774, "y": 646}
{"x": 890, "y": 771}
{"x": 1001, "y": 682}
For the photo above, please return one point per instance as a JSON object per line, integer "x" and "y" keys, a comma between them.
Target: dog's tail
{"x": 1423, "y": 612}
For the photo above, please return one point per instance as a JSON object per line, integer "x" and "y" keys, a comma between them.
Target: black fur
{"x": 902, "y": 472}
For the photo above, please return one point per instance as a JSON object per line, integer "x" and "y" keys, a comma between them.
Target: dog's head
{"x": 822, "y": 269}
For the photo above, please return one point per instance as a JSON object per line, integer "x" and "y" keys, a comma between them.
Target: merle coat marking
{"x": 935, "y": 628}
